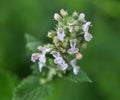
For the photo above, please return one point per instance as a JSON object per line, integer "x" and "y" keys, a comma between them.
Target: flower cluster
{"x": 69, "y": 38}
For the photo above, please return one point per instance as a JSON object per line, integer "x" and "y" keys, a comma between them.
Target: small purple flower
{"x": 82, "y": 17}
{"x": 55, "y": 54}
{"x": 60, "y": 33}
{"x": 87, "y": 35}
{"x": 86, "y": 27}
{"x": 43, "y": 49}
{"x": 73, "y": 48}
{"x": 73, "y": 62}
{"x": 58, "y": 60}
{"x": 42, "y": 61}
{"x": 64, "y": 66}
{"x": 41, "y": 57}
{"x": 34, "y": 57}
{"x": 75, "y": 67}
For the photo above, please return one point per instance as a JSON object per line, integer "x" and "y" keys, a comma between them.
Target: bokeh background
{"x": 101, "y": 59}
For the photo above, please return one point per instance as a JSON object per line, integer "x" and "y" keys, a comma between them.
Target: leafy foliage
{"x": 30, "y": 89}
{"x": 81, "y": 77}
{"x": 7, "y": 82}
{"x": 31, "y": 42}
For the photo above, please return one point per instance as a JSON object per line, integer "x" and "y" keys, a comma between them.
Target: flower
{"x": 82, "y": 17}
{"x": 75, "y": 14}
{"x": 55, "y": 54}
{"x": 43, "y": 49}
{"x": 70, "y": 27}
{"x": 63, "y": 66}
{"x": 57, "y": 16}
{"x": 41, "y": 57}
{"x": 74, "y": 66}
{"x": 42, "y": 61}
{"x": 87, "y": 35}
{"x": 34, "y": 57}
{"x": 60, "y": 33}
{"x": 50, "y": 34}
{"x": 73, "y": 48}
{"x": 86, "y": 27}
{"x": 63, "y": 12}
{"x": 76, "y": 70}
{"x": 79, "y": 56}
{"x": 59, "y": 60}
{"x": 73, "y": 62}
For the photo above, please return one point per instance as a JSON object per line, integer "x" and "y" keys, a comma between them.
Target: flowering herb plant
{"x": 58, "y": 58}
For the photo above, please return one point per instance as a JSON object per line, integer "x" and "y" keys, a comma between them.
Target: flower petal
{"x": 88, "y": 37}
{"x": 76, "y": 70}
{"x": 60, "y": 33}
{"x": 34, "y": 57}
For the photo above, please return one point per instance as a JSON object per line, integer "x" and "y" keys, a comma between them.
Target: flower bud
{"x": 79, "y": 56}
{"x": 82, "y": 17}
{"x": 63, "y": 12}
{"x": 84, "y": 45}
{"x": 75, "y": 14}
{"x": 76, "y": 28}
{"x": 62, "y": 50}
{"x": 65, "y": 44}
{"x": 50, "y": 34}
{"x": 57, "y": 16}
{"x": 55, "y": 39}
{"x": 43, "y": 81}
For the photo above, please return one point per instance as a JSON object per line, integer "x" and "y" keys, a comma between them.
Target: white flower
{"x": 82, "y": 17}
{"x": 43, "y": 49}
{"x": 34, "y": 57}
{"x": 73, "y": 62}
{"x": 87, "y": 35}
{"x": 41, "y": 65}
{"x": 73, "y": 48}
{"x": 76, "y": 70}
{"x": 70, "y": 27}
{"x": 57, "y": 16}
{"x": 60, "y": 33}
{"x": 58, "y": 60}
{"x": 86, "y": 27}
{"x": 41, "y": 57}
{"x": 55, "y": 54}
{"x": 75, "y": 67}
{"x": 63, "y": 66}
{"x": 42, "y": 61}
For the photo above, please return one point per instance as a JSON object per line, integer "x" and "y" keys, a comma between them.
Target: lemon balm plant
{"x": 57, "y": 59}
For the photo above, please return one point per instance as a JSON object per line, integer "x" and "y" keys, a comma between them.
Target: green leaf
{"x": 32, "y": 42}
{"x": 8, "y": 82}
{"x": 81, "y": 77}
{"x": 30, "y": 89}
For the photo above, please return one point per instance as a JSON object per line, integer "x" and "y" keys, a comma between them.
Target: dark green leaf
{"x": 8, "y": 82}
{"x": 30, "y": 89}
{"x": 81, "y": 77}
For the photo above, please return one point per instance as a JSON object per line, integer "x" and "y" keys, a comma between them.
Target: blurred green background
{"x": 101, "y": 59}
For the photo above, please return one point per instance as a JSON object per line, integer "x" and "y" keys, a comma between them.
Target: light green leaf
{"x": 32, "y": 42}
{"x": 81, "y": 77}
{"x": 30, "y": 89}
